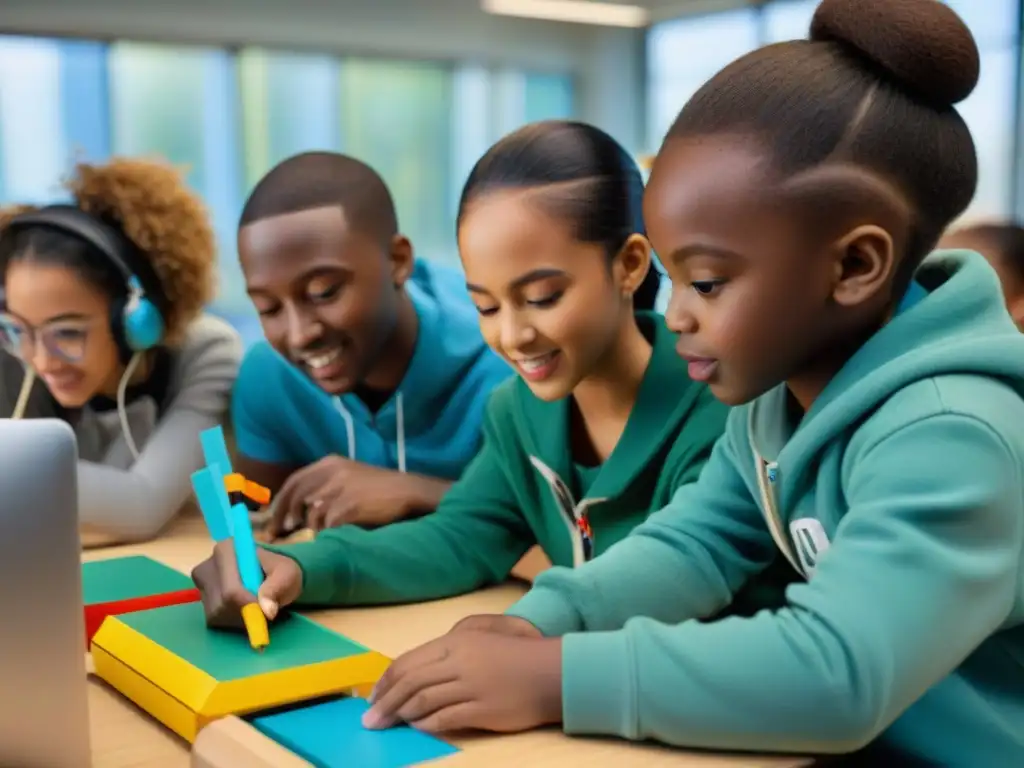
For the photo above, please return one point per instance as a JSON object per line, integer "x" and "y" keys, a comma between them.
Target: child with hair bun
{"x": 875, "y": 440}
{"x": 103, "y": 303}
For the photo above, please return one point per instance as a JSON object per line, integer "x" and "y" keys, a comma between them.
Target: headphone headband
{"x": 138, "y": 322}
{"x": 74, "y": 221}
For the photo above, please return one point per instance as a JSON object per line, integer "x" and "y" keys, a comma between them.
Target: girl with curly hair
{"x": 102, "y": 303}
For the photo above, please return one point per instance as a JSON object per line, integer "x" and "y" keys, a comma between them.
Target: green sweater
{"x": 521, "y": 490}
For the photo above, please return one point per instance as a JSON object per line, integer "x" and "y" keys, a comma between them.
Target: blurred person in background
{"x": 1002, "y": 243}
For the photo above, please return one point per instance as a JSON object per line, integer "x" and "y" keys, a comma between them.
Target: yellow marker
{"x": 256, "y": 626}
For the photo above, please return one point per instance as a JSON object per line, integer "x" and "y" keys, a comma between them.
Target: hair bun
{"x": 922, "y": 44}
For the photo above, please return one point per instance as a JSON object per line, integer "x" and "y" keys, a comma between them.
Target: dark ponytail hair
{"x": 602, "y": 189}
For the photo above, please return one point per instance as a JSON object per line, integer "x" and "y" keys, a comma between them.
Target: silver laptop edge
{"x": 44, "y": 719}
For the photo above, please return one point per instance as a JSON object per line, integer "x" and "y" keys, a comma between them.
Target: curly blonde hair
{"x": 150, "y": 201}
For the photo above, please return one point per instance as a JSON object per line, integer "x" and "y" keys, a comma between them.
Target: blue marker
{"x": 215, "y": 449}
{"x": 251, "y": 574}
{"x": 227, "y": 522}
{"x": 213, "y": 502}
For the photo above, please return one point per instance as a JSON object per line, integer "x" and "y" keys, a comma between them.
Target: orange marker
{"x": 242, "y": 491}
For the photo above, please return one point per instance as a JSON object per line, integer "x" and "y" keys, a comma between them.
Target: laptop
{"x": 44, "y": 718}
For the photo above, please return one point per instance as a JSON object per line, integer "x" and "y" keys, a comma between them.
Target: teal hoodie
{"x": 432, "y": 425}
{"x": 898, "y": 498}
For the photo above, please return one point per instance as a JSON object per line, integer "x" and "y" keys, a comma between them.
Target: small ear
{"x": 632, "y": 264}
{"x": 864, "y": 265}
{"x": 402, "y": 258}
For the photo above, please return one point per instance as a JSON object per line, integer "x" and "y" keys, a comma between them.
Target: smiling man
{"x": 367, "y": 397}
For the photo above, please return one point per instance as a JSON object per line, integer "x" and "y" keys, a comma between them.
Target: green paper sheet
{"x": 125, "y": 578}
{"x": 295, "y": 641}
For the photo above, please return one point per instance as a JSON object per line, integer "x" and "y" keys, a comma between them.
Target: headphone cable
{"x": 122, "y": 411}
{"x": 26, "y": 389}
{"x": 122, "y": 389}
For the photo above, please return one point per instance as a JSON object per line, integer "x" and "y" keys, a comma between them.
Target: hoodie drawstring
{"x": 350, "y": 429}
{"x": 400, "y": 427}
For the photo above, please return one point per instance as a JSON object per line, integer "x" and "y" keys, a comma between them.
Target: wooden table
{"x": 123, "y": 736}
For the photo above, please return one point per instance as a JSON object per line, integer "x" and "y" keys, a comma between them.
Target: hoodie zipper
{"x": 576, "y": 515}
{"x": 767, "y": 477}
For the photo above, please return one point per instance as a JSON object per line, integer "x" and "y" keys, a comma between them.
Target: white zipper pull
{"x": 581, "y": 513}
{"x": 575, "y": 515}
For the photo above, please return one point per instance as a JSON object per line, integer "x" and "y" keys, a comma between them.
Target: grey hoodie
{"x": 123, "y": 499}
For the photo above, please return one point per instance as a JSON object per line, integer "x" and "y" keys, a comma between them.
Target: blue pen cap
{"x": 208, "y": 485}
{"x": 215, "y": 449}
{"x": 245, "y": 549}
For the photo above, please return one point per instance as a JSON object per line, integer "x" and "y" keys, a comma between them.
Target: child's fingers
{"x": 230, "y": 582}
{"x": 419, "y": 682}
{"x": 456, "y": 717}
{"x": 429, "y": 703}
{"x": 282, "y": 582}
{"x": 289, "y": 501}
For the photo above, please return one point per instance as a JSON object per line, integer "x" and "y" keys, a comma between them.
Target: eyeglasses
{"x": 63, "y": 339}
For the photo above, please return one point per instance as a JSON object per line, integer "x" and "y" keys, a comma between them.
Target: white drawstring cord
{"x": 350, "y": 429}
{"x": 400, "y": 427}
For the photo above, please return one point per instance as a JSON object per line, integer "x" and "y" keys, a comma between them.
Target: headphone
{"x": 135, "y": 321}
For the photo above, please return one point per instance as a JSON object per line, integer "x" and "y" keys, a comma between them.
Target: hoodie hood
{"x": 449, "y": 352}
{"x": 448, "y": 346}
{"x": 666, "y": 399}
{"x": 958, "y": 325}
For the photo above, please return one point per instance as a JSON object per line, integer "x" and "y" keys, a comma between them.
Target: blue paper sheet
{"x": 330, "y": 734}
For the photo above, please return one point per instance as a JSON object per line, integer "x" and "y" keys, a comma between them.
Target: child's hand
{"x": 497, "y": 623}
{"x": 223, "y": 595}
{"x": 474, "y": 680}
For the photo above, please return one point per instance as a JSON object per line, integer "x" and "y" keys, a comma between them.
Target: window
{"x": 994, "y": 23}
{"x": 52, "y": 114}
{"x": 685, "y": 53}
{"x": 289, "y": 105}
{"x": 489, "y": 104}
{"x": 547, "y": 97}
{"x": 179, "y": 103}
{"x": 788, "y": 20}
{"x": 989, "y": 113}
{"x": 990, "y": 110}
{"x": 227, "y": 118}
{"x": 473, "y": 129}
{"x": 397, "y": 117}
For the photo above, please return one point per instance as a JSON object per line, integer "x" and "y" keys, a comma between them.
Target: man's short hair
{"x": 321, "y": 179}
